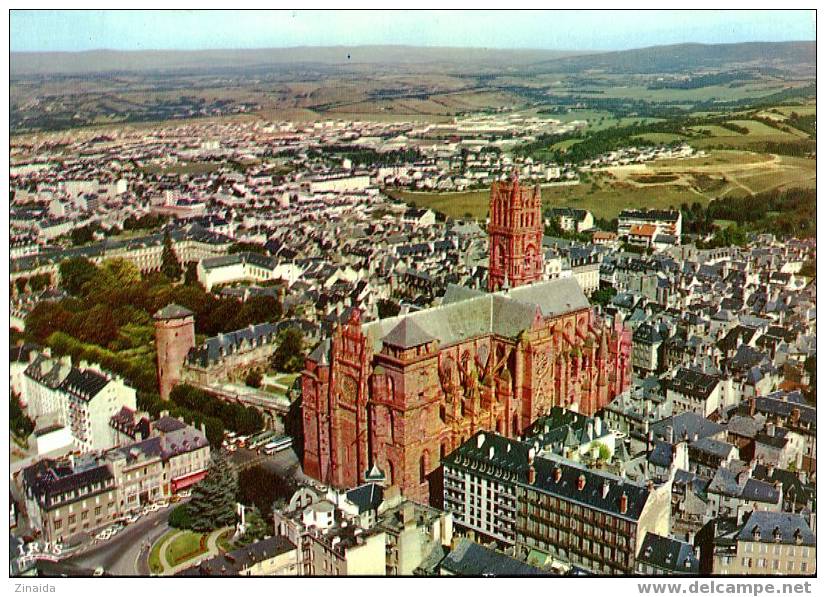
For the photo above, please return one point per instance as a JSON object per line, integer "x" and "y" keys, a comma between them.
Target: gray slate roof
{"x": 173, "y": 311}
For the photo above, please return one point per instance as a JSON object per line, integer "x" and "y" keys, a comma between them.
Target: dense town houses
{"x": 69, "y": 495}
{"x": 521, "y": 393}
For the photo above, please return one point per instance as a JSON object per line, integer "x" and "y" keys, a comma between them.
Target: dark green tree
{"x": 19, "y": 423}
{"x": 256, "y": 527}
{"x": 170, "y": 265}
{"x": 603, "y": 296}
{"x": 254, "y": 378}
{"x": 75, "y": 273}
{"x": 289, "y": 356}
{"x": 214, "y": 498}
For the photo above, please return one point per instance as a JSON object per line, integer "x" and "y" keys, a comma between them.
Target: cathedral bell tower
{"x": 514, "y": 234}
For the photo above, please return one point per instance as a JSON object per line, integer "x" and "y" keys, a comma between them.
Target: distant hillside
{"x": 100, "y": 61}
{"x": 795, "y": 56}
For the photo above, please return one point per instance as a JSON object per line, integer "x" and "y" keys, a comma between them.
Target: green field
{"x": 185, "y": 168}
{"x": 663, "y": 138}
{"x": 604, "y": 201}
{"x": 658, "y": 185}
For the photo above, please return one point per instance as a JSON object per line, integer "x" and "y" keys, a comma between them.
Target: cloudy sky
{"x": 563, "y": 30}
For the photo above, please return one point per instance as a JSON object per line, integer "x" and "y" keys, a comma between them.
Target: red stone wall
{"x": 410, "y": 408}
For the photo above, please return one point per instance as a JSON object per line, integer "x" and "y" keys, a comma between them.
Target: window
{"x": 804, "y": 566}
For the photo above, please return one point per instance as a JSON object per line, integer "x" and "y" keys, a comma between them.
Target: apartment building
{"x": 498, "y": 488}
{"x": 83, "y": 398}
{"x": 71, "y": 495}
{"x": 767, "y": 543}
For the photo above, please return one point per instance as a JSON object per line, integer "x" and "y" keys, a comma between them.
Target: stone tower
{"x": 174, "y": 337}
{"x": 514, "y": 235}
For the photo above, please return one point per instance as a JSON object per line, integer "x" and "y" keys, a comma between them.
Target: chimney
{"x": 752, "y": 406}
{"x": 557, "y": 474}
{"x": 531, "y": 474}
{"x": 623, "y": 505}
{"x": 770, "y": 429}
{"x": 580, "y": 482}
{"x": 605, "y": 489}
{"x": 669, "y": 435}
{"x": 531, "y": 454}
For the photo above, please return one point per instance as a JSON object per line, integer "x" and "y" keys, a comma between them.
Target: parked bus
{"x": 281, "y": 443}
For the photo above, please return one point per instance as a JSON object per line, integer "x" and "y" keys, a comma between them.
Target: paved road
{"x": 284, "y": 463}
{"x": 120, "y": 555}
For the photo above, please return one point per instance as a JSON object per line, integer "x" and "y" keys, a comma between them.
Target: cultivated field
{"x": 655, "y": 185}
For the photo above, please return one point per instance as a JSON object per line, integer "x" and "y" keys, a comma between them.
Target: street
{"x": 120, "y": 555}
{"x": 126, "y": 555}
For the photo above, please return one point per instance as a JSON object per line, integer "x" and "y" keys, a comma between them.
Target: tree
{"x": 213, "y": 499}
{"x": 75, "y": 273}
{"x": 289, "y": 356}
{"x": 254, "y": 378}
{"x": 603, "y": 296}
{"x": 170, "y": 265}
{"x": 121, "y": 272}
{"x": 180, "y": 518}
{"x": 191, "y": 275}
{"x": 256, "y": 527}
{"x": 19, "y": 423}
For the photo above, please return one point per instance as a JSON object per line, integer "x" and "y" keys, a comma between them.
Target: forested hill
{"x": 795, "y": 56}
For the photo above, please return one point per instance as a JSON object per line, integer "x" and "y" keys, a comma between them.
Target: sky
{"x": 54, "y": 30}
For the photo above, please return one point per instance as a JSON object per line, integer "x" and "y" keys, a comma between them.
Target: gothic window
{"x": 423, "y": 467}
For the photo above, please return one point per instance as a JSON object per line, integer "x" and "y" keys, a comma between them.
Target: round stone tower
{"x": 174, "y": 337}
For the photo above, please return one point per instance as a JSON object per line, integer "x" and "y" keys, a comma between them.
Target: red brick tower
{"x": 174, "y": 337}
{"x": 514, "y": 234}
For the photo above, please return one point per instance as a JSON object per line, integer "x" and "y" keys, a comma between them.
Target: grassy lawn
{"x": 185, "y": 546}
{"x": 155, "y": 566}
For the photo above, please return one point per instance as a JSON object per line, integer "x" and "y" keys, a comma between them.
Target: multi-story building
{"x": 68, "y": 496}
{"x": 84, "y": 399}
{"x": 573, "y": 220}
{"x": 219, "y": 358}
{"x": 498, "y": 488}
{"x": 767, "y": 543}
{"x": 93, "y": 397}
{"x": 273, "y": 556}
{"x": 329, "y": 545}
{"x": 694, "y": 391}
{"x": 664, "y": 221}
{"x": 403, "y": 392}
{"x": 664, "y": 556}
{"x": 247, "y": 267}
{"x": 647, "y": 342}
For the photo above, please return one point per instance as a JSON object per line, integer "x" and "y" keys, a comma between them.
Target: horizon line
{"x": 424, "y": 46}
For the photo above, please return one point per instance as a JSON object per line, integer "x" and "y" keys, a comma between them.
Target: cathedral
{"x": 396, "y": 395}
